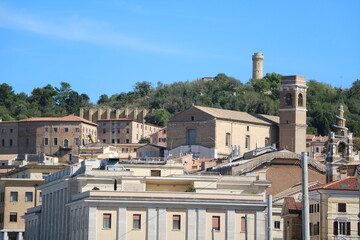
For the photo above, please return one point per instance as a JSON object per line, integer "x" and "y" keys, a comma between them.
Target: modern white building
{"x": 89, "y": 203}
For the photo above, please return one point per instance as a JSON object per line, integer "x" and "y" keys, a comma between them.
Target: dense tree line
{"x": 255, "y": 96}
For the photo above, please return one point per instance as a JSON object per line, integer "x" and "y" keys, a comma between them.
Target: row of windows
{"x": 12, "y": 217}
{"x": 148, "y": 154}
{"x": 176, "y": 222}
{"x": 113, "y": 141}
{"x": 65, "y": 142}
{"x": 3, "y": 144}
{"x": 343, "y": 228}
{"x": 314, "y": 208}
{"x": 160, "y": 140}
{"x": 66, "y": 129}
{"x": 118, "y": 130}
{"x": 11, "y": 130}
{"x": 314, "y": 229}
{"x": 14, "y": 196}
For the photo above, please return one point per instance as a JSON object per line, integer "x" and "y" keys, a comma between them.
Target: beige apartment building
{"x": 124, "y": 130}
{"x": 159, "y": 138}
{"x": 56, "y": 136}
{"x": 88, "y": 203}
{"x": 334, "y": 210}
{"x": 18, "y": 193}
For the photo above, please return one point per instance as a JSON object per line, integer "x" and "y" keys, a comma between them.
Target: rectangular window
{"x": 154, "y": 140}
{"x": 112, "y": 140}
{"x": 243, "y": 224}
{"x": 227, "y": 139}
{"x": 341, "y": 207}
{"x": 127, "y": 141}
{"x": 13, "y": 196}
{"x": 216, "y": 223}
{"x": 28, "y": 197}
{"x": 118, "y": 140}
{"x": 176, "y": 222}
{"x": 104, "y": 130}
{"x": 127, "y": 130}
{"x": 137, "y": 221}
{"x": 46, "y": 141}
{"x": 55, "y": 129}
{"x": 66, "y": 129}
{"x": 77, "y": 130}
{"x": 55, "y": 141}
{"x": 124, "y": 150}
{"x": 46, "y": 129}
{"x": 155, "y": 172}
{"x": 106, "y": 220}
{"x": 276, "y": 224}
{"x": 267, "y": 142}
{"x": 247, "y": 141}
{"x": 13, "y": 217}
{"x": 76, "y": 141}
{"x": 40, "y": 198}
{"x": 191, "y": 134}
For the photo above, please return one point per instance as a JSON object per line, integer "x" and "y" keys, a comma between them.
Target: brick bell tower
{"x": 292, "y": 127}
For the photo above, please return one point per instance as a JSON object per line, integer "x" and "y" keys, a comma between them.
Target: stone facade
{"x": 95, "y": 114}
{"x": 258, "y": 59}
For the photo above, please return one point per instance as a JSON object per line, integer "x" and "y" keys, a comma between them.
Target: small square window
{"x": 55, "y": 129}
{"x": 13, "y": 196}
{"x": 28, "y": 197}
{"x": 341, "y": 207}
{"x": 137, "y": 221}
{"x": 13, "y": 217}
{"x": 66, "y": 129}
{"x": 106, "y": 220}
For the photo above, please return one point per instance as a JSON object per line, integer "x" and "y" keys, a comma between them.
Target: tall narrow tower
{"x": 293, "y": 113}
{"x": 258, "y": 59}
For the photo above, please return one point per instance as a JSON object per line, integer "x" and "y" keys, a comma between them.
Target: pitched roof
{"x": 70, "y": 118}
{"x": 349, "y": 183}
{"x": 240, "y": 116}
{"x": 292, "y": 205}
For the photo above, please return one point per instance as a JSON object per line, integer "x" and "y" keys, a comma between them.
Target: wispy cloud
{"x": 80, "y": 29}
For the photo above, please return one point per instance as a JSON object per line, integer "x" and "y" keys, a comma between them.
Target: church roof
{"x": 240, "y": 116}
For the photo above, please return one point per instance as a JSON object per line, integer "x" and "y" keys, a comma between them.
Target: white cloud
{"x": 79, "y": 29}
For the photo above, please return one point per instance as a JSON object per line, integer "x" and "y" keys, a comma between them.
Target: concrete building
{"x": 18, "y": 193}
{"x": 258, "y": 59}
{"x": 88, "y": 203}
{"x": 55, "y": 136}
{"x": 159, "y": 138}
{"x": 334, "y": 210}
{"x": 124, "y": 130}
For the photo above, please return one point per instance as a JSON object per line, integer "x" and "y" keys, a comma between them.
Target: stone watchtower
{"x": 258, "y": 59}
{"x": 292, "y": 127}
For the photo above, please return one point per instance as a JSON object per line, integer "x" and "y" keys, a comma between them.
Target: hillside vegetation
{"x": 256, "y": 96}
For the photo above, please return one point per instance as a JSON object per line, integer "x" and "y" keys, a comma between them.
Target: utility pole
{"x": 269, "y": 218}
{"x": 246, "y": 227}
{"x": 305, "y": 198}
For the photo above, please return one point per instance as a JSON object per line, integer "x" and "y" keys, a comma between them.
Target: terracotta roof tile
{"x": 349, "y": 183}
{"x": 240, "y": 116}
{"x": 70, "y": 118}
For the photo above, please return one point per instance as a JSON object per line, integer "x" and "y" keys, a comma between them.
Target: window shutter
{"x": 348, "y": 228}
{"x": 335, "y": 228}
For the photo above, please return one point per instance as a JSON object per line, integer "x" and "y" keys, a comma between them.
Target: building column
{"x": 151, "y": 224}
{"x": 201, "y": 224}
{"x": 230, "y": 224}
{"x": 260, "y": 225}
{"x": 191, "y": 224}
{"x": 92, "y": 224}
{"x": 121, "y": 223}
{"x": 161, "y": 223}
{"x": 6, "y": 237}
{"x": 20, "y": 236}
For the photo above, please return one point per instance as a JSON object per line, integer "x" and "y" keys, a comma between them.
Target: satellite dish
{"x": 116, "y": 154}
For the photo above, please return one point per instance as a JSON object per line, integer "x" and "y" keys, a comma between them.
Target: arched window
{"x": 66, "y": 143}
{"x": 288, "y": 99}
{"x": 300, "y": 100}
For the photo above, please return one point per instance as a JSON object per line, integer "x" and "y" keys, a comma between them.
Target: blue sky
{"x": 106, "y": 46}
